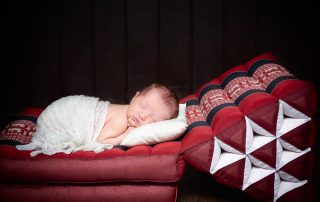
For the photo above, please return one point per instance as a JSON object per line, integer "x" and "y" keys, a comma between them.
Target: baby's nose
{"x": 144, "y": 117}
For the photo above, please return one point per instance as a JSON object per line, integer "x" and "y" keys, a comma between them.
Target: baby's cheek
{"x": 149, "y": 120}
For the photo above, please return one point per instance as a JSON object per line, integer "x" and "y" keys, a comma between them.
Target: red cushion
{"x": 31, "y": 111}
{"x": 18, "y": 132}
{"x": 116, "y": 192}
{"x": 251, "y": 129}
{"x": 161, "y": 163}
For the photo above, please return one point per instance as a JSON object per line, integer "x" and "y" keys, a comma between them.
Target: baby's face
{"x": 147, "y": 108}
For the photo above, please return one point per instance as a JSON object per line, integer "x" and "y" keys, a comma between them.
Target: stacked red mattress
{"x": 141, "y": 173}
{"x": 252, "y": 129}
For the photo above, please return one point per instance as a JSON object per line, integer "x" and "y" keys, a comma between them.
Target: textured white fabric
{"x": 258, "y": 129}
{"x": 227, "y": 147}
{"x": 247, "y": 170}
{"x": 215, "y": 155}
{"x": 258, "y": 163}
{"x": 69, "y": 124}
{"x": 249, "y": 135}
{"x": 288, "y": 186}
{"x": 292, "y": 112}
{"x": 227, "y": 158}
{"x": 257, "y": 174}
{"x": 259, "y": 141}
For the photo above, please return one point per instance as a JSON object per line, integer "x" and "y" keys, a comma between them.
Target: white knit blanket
{"x": 69, "y": 124}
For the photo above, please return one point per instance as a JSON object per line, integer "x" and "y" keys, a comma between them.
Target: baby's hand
{"x": 128, "y": 130}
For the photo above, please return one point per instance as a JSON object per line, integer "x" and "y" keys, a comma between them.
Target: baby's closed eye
{"x": 144, "y": 105}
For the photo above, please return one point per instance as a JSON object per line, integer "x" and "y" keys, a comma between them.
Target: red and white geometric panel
{"x": 268, "y": 164}
{"x": 19, "y": 131}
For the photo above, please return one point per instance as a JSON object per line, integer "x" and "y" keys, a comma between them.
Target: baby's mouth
{"x": 133, "y": 121}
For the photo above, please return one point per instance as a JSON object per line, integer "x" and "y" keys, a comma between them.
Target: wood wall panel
{"x": 303, "y": 34}
{"x": 273, "y": 28}
{"x": 110, "y": 65}
{"x": 111, "y": 49}
{"x": 207, "y": 42}
{"x": 239, "y": 31}
{"x": 142, "y": 44}
{"x": 15, "y": 73}
{"x": 76, "y": 47}
{"x": 44, "y": 53}
{"x": 175, "y": 40}
{"x": 303, "y": 42}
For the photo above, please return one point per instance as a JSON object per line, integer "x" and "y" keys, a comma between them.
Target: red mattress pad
{"x": 252, "y": 129}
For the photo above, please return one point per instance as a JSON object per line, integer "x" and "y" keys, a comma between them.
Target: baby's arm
{"x": 115, "y": 141}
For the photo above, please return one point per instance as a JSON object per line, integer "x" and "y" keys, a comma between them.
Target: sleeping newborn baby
{"x": 80, "y": 122}
{"x": 154, "y": 103}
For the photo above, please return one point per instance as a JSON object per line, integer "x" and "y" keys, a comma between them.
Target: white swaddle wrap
{"x": 69, "y": 124}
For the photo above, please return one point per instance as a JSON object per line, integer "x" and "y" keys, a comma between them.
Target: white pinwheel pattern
{"x": 257, "y": 137}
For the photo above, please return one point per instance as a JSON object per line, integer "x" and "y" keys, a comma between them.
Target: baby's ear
{"x": 137, "y": 93}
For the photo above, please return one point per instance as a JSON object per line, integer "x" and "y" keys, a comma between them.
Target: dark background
{"x": 112, "y": 48}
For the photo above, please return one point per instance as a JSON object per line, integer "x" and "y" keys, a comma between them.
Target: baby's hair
{"x": 169, "y": 97}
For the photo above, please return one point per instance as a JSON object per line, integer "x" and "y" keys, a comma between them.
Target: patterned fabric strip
{"x": 245, "y": 94}
{"x": 258, "y": 64}
{"x": 212, "y": 99}
{"x": 275, "y": 82}
{"x": 194, "y": 125}
{"x": 29, "y": 118}
{"x": 231, "y": 77}
{"x": 240, "y": 85}
{"x": 269, "y": 72}
{"x": 19, "y": 130}
{"x": 215, "y": 110}
{"x": 192, "y": 102}
{"x": 209, "y": 88}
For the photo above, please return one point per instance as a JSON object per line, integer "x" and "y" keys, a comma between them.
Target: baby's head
{"x": 154, "y": 103}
